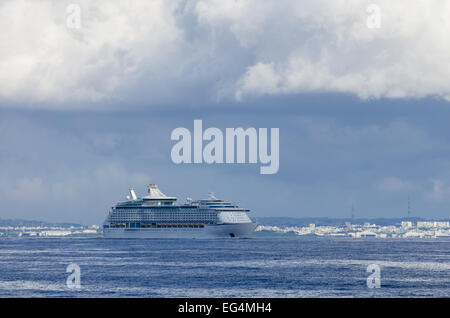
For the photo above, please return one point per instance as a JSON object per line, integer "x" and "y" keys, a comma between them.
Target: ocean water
{"x": 287, "y": 266}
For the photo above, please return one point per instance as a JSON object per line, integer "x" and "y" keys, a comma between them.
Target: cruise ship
{"x": 159, "y": 216}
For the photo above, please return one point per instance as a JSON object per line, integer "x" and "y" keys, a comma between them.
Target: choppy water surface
{"x": 258, "y": 267}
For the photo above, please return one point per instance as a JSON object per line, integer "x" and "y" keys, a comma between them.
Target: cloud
{"x": 79, "y": 195}
{"x": 155, "y": 52}
{"x": 439, "y": 191}
{"x": 337, "y": 52}
{"x": 72, "y": 166}
{"x": 77, "y": 185}
{"x": 25, "y": 188}
{"x": 44, "y": 60}
{"x": 393, "y": 184}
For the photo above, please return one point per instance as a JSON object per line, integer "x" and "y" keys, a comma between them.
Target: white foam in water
{"x": 435, "y": 266}
{"x": 22, "y": 285}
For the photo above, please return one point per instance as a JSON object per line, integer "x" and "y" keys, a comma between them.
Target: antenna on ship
{"x": 212, "y": 195}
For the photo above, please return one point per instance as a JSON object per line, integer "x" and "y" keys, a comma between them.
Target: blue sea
{"x": 282, "y": 266}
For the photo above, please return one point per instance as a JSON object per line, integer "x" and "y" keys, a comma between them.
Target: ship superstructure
{"x": 159, "y": 216}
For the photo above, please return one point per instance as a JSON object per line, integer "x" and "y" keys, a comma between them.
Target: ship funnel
{"x": 212, "y": 196}
{"x": 133, "y": 194}
{"x": 154, "y": 191}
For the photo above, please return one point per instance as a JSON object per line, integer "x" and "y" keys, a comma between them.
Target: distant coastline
{"x": 275, "y": 221}
{"x": 325, "y": 221}
{"x": 413, "y": 227}
{"x": 32, "y": 223}
{"x": 356, "y": 228}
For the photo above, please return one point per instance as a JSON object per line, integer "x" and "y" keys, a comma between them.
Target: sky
{"x": 90, "y": 92}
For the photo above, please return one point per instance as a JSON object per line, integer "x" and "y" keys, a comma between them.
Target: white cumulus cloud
{"x": 158, "y": 51}
{"x": 393, "y": 184}
{"x": 328, "y": 47}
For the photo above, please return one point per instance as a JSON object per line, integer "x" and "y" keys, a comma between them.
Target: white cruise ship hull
{"x": 241, "y": 230}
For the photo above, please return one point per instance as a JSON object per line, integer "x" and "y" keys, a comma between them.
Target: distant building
{"x": 407, "y": 224}
{"x": 55, "y": 233}
{"x": 432, "y": 224}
